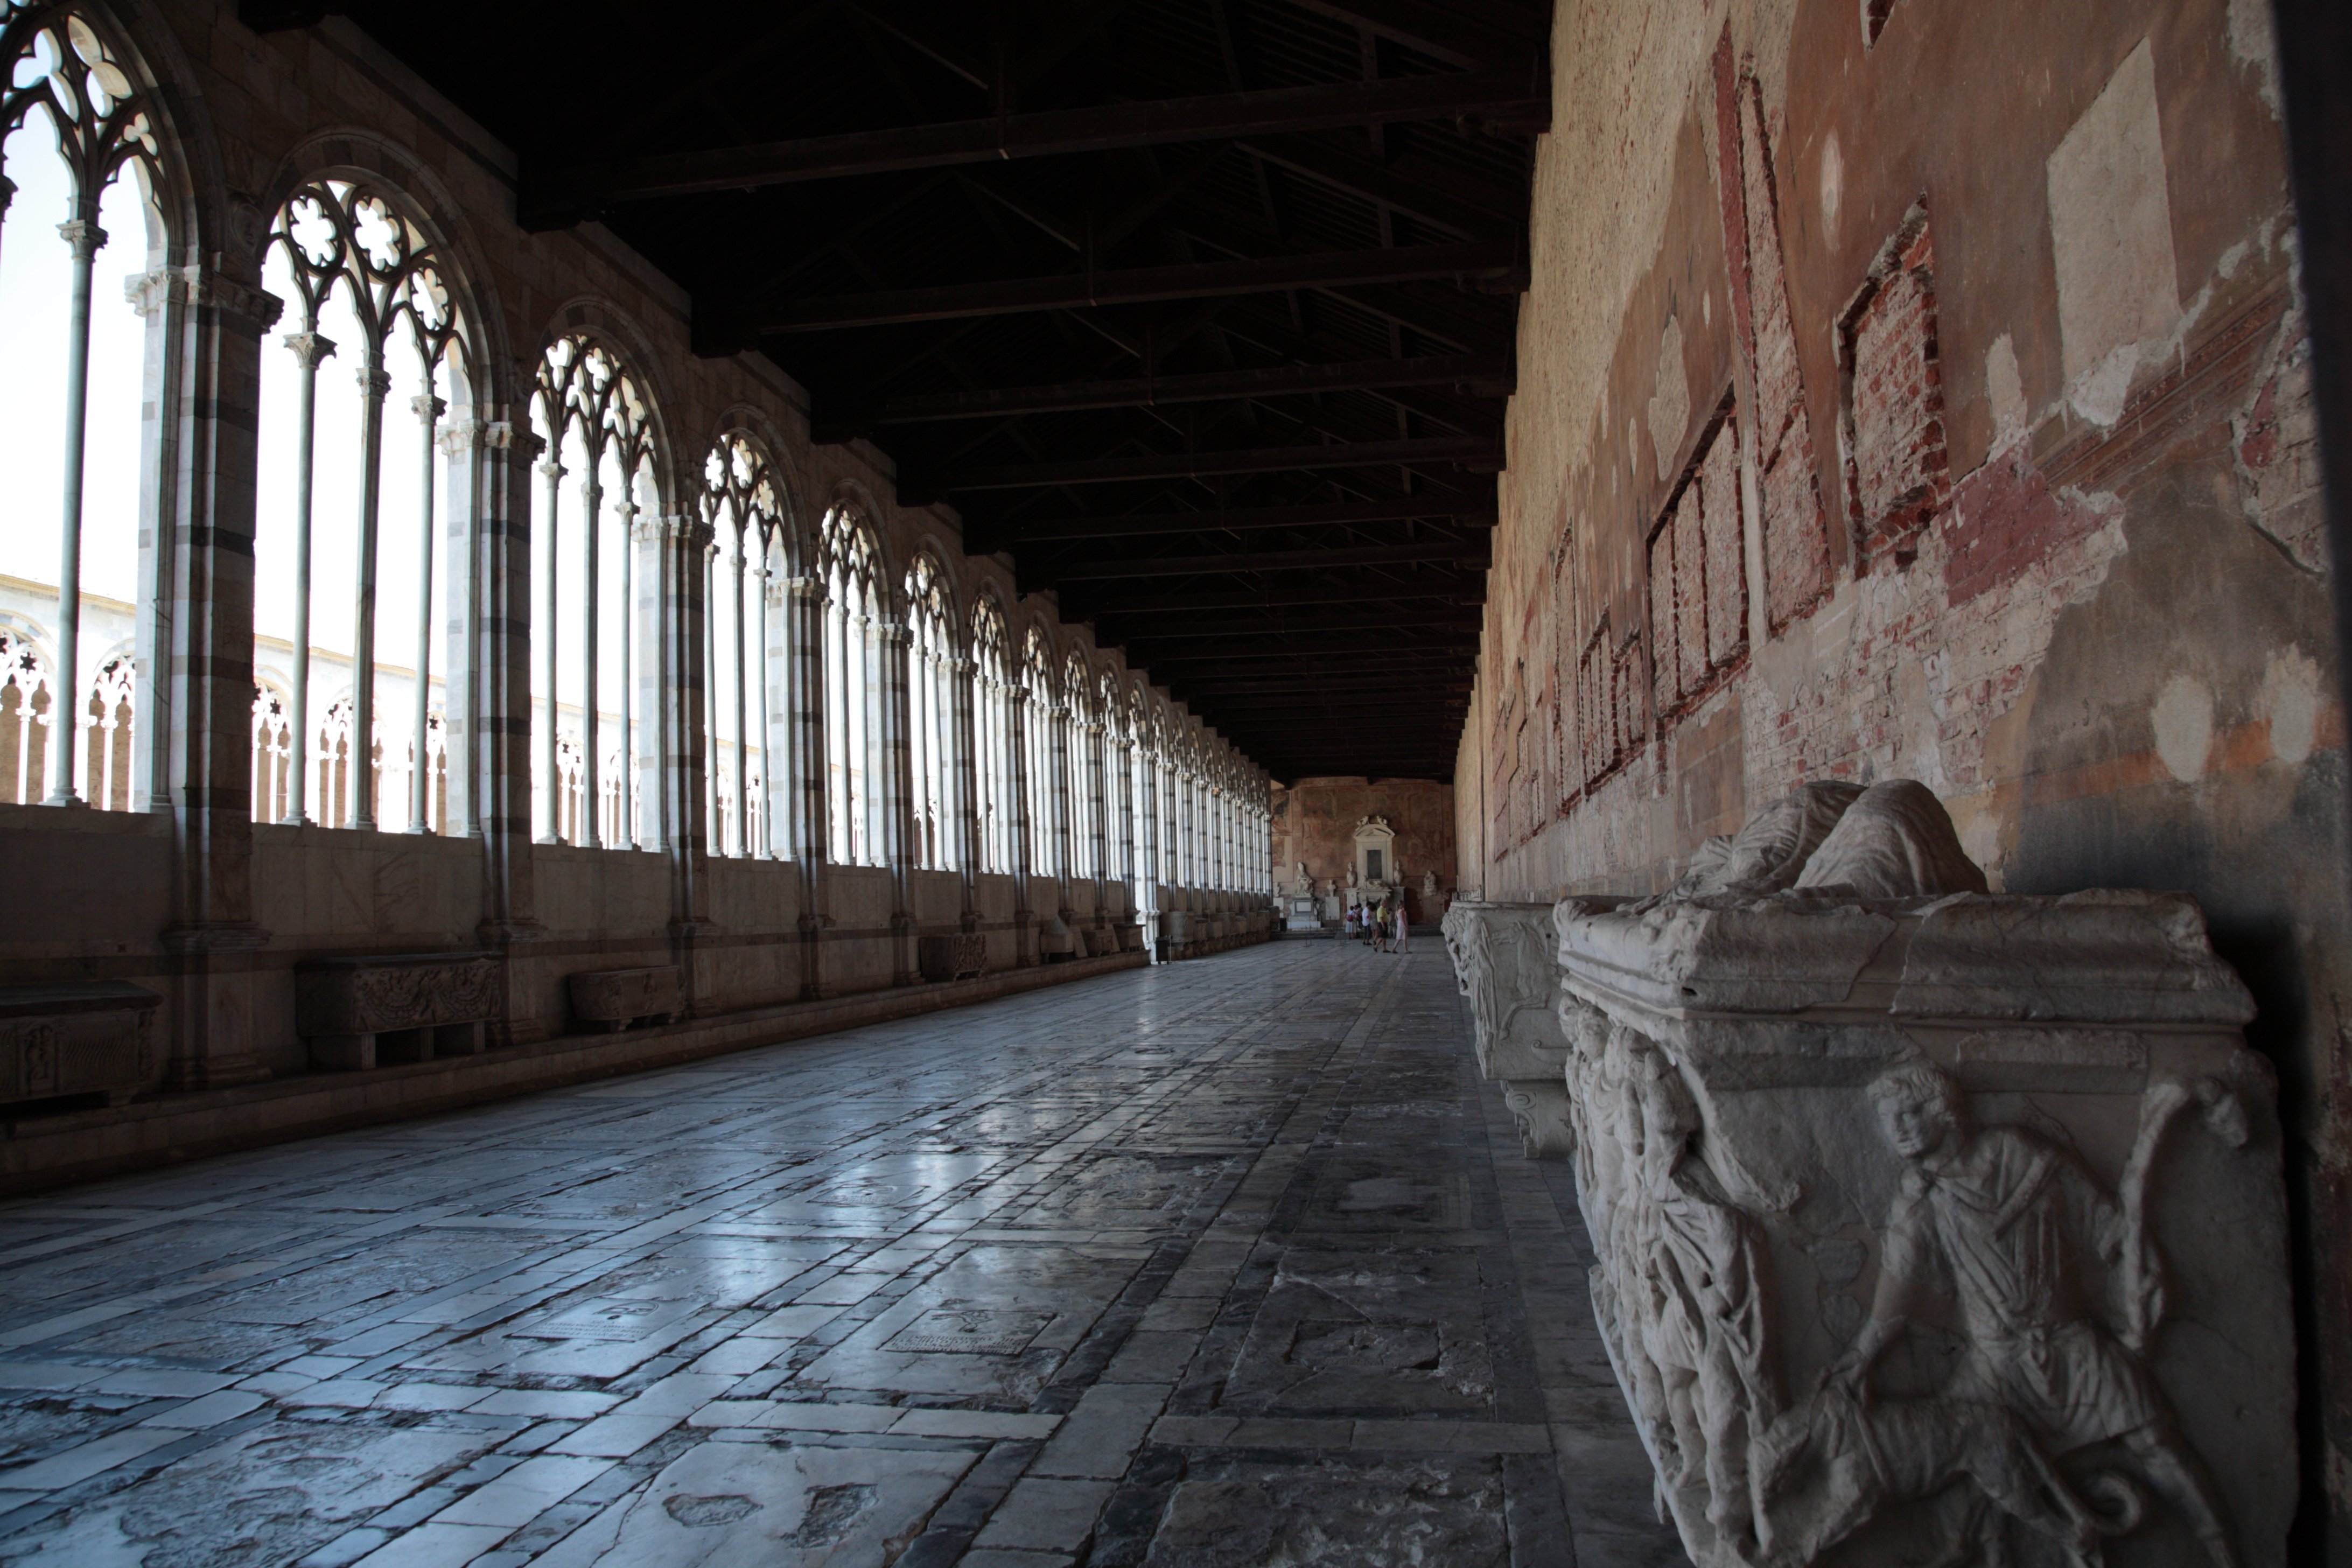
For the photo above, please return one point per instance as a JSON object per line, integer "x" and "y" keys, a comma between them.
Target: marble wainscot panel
{"x": 1933, "y": 1226}
{"x": 1503, "y": 961}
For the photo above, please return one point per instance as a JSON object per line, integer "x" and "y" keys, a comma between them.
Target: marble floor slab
{"x": 1211, "y": 1264}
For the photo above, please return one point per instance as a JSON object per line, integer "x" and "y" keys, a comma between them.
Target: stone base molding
{"x": 57, "y": 1148}
{"x": 1934, "y": 1225}
{"x": 1502, "y": 956}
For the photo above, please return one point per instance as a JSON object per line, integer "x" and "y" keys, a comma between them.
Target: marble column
{"x": 1024, "y": 915}
{"x": 198, "y": 447}
{"x": 1098, "y": 841}
{"x": 1147, "y": 867}
{"x": 683, "y": 721}
{"x": 464, "y": 442}
{"x": 964, "y": 769}
{"x": 541, "y": 640}
{"x": 503, "y": 716}
{"x": 804, "y": 622}
{"x": 649, "y": 582}
{"x": 895, "y": 791}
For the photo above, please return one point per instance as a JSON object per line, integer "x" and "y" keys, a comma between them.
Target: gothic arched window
{"x": 1041, "y": 721}
{"x": 853, "y": 688}
{"x": 991, "y": 726}
{"x": 930, "y": 702}
{"x": 73, "y": 122}
{"x": 335, "y": 506}
{"x": 1118, "y": 824}
{"x": 743, "y": 505}
{"x": 1080, "y": 743}
{"x": 595, "y": 422}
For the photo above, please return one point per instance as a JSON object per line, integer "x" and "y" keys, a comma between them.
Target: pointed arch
{"x": 85, "y": 134}
{"x": 747, "y": 670}
{"x": 855, "y": 600}
{"x": 595, "y": 419}
{"x": 933, "y": 768}
{"x": 993, "y": 733}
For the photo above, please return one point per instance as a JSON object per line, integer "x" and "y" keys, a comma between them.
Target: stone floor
{"x": 1225, "y": 1263}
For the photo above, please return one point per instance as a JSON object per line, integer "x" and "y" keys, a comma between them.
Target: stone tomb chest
{"x": 357, "y": 1013}
{"x": 1934, "y": 1226}
{"x": 77, "y": 1038}
{"x": 1503, "y": 961}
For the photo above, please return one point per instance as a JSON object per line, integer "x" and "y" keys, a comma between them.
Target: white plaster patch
{"x": 2253, "y": 43}
{"x": 2183, "y": 717}
{"x": 2291, "y": 696}
{"x": 1670, "y": 408}
{"x": 2005, "y": 390}
{"x": 2111, "y": 221}
{"x": 2099, "y": 396}
{"x": 1706, "y": 309}
{"x": 1832, "y": 185}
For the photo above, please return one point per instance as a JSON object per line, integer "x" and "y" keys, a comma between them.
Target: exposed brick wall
{"x": 1796, "y": 533}
{"x": 1896, "y": 474}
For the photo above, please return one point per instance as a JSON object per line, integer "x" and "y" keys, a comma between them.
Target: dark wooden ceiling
{"x": 1200, "y": 310}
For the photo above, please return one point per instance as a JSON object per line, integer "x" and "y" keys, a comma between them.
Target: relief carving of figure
{"x": 1703, "y": 1305}
{"x": 1995, "y": 1224}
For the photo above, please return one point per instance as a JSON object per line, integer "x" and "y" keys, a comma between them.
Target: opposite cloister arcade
{"x": 311, "y": 538}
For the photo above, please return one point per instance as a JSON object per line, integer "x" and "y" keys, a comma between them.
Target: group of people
{"x": 1383, "y": 924}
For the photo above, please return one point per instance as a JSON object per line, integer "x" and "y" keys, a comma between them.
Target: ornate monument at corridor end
{"x": 1934, "y": 1225}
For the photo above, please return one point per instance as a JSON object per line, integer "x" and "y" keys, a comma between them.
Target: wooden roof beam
{"x": 1515, "y": 102}
{"x": 1486, "y": 263}
{"x": 1469, "y": 451}
{"x": 1480, "y": 375}
{"x": 1454, "y": 552}
{"x": 1471, "y": 508}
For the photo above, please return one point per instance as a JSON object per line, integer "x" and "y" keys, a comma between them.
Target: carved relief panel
{"x": 1934, "y": 1226}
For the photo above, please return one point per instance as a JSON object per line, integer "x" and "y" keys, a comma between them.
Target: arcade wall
{"x": 1921, "y": 390}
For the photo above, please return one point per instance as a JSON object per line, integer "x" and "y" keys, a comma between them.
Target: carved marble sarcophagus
{"x": 358, "y": 1013}
{"x": 613, "y": 999}
{"x": 1934, "y": 1226}
{"x": 960, "y": 956}
{"x": 82, "y": 1039}
{"x": 1101, "y": 942}
{"x": 1503, "y": 961}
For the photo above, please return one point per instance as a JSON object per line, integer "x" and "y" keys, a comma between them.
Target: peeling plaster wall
{"x": 1998, "y": 314}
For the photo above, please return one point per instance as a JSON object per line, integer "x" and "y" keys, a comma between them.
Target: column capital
{"x": 550, "y": 470}
{"x": 85, "y": 236}
{"x": 459, "y": 436}
{"x": 505, "y": 435}
{"x": 311, "y": 348}
{"x": 203, "y": 283}
{"x": 427, "y": 407}
{"x": 374, "y": 381}
{"x": 805, "y": 587}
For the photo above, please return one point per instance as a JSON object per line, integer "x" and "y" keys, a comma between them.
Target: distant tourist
{"x": 1402, "y": 925}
